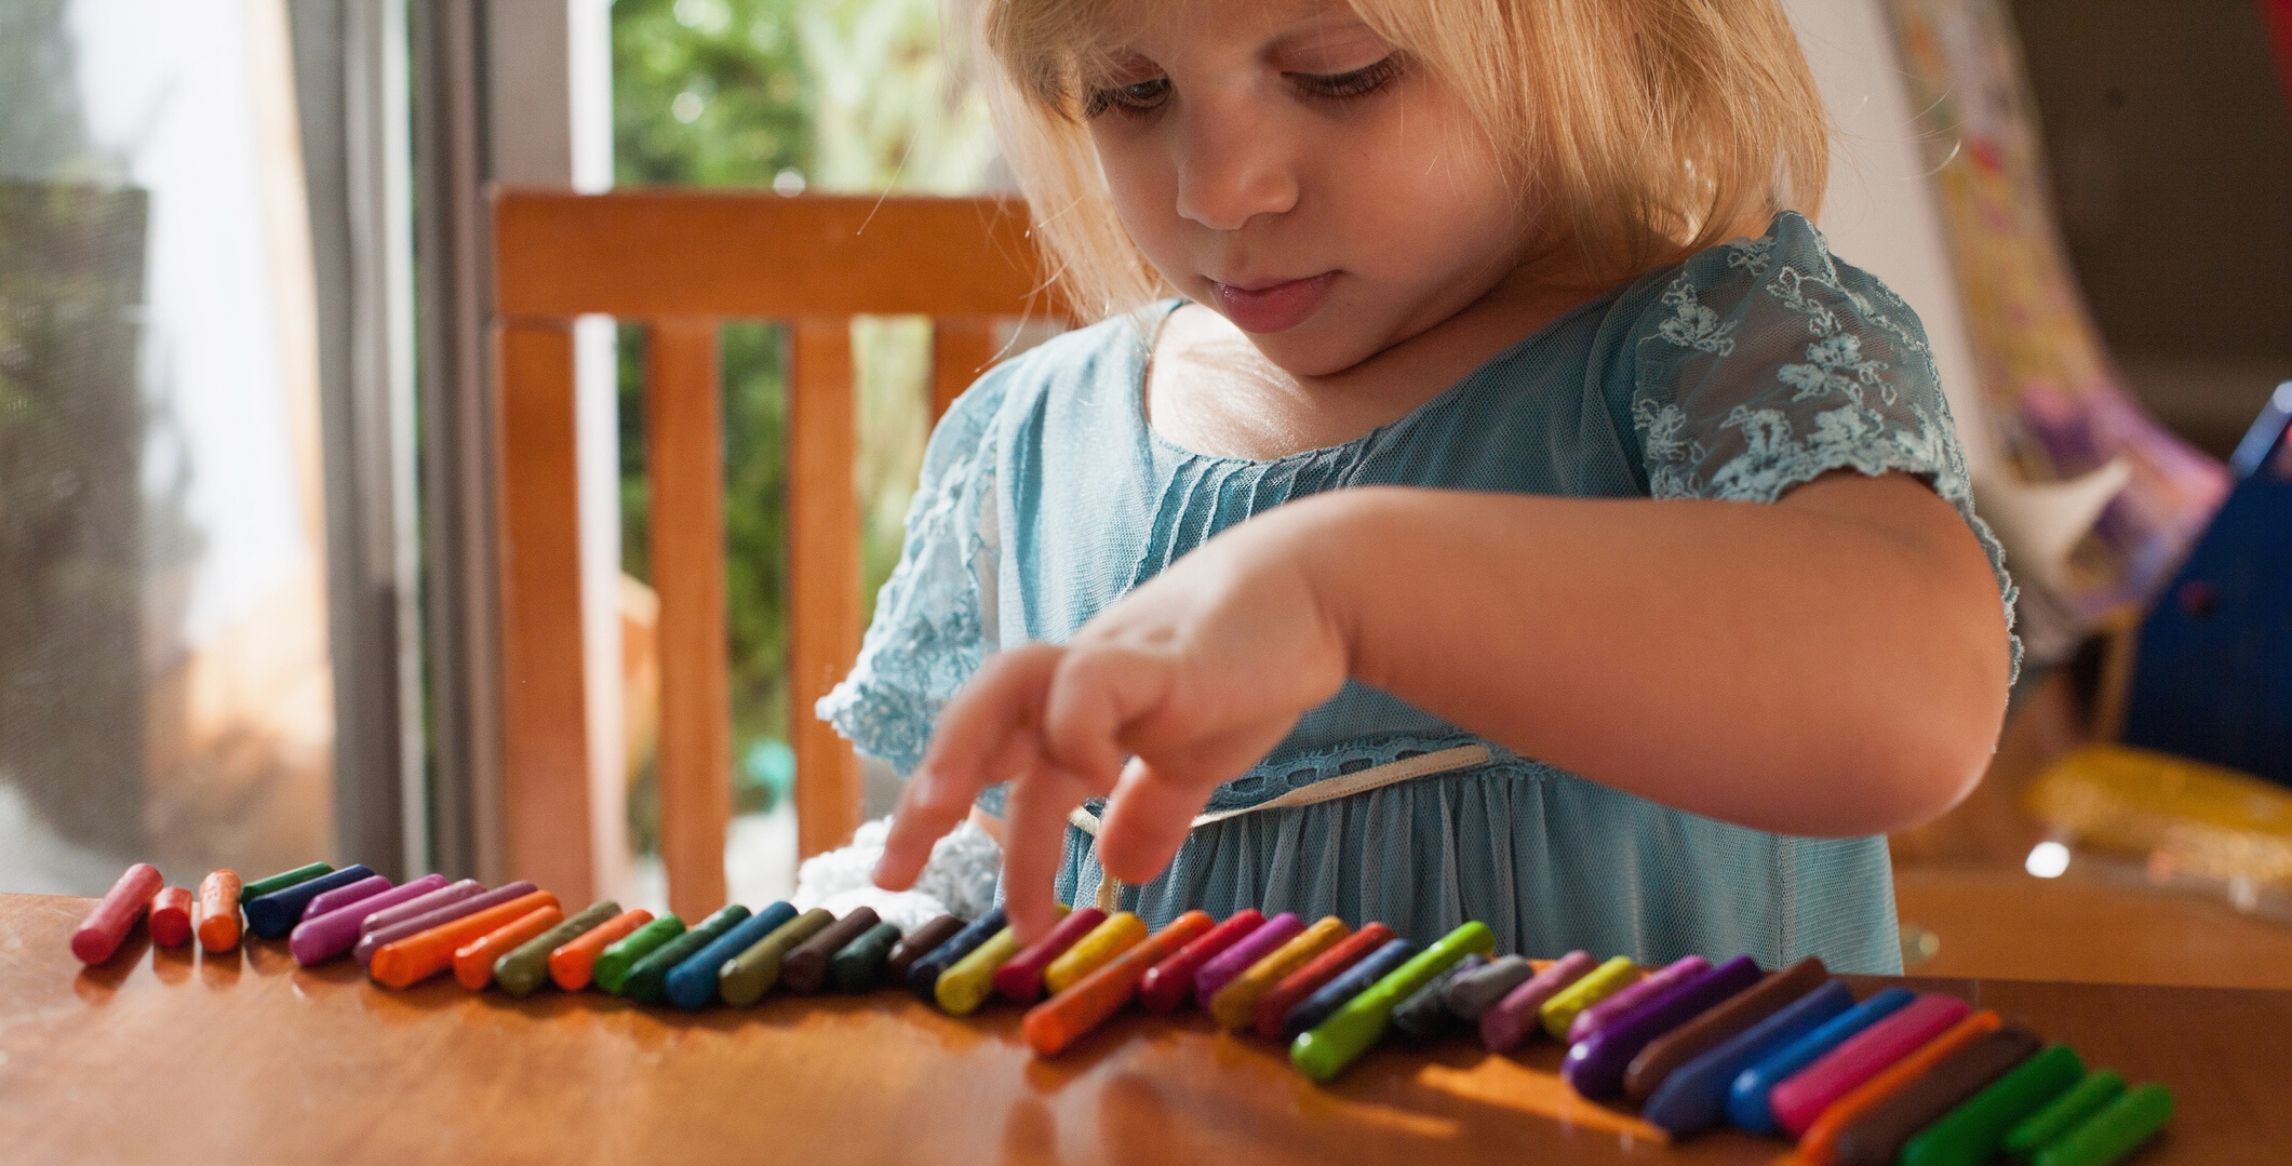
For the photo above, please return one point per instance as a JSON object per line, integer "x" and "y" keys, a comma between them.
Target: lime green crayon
{"x": 2114, "y": 1131}
{"x": 1559, "y": 1012}
{"x": 2062, "y": 1114}
{"x": 648, "y": 975}
{"x": 615, "y": 963}
{"x": 1975, "y": 1131}
{"x": 746, "y": 977}
{"x": 1323, "y": 1052}
{"x": 281, "y": 881}
{"x": 525, "y": 967}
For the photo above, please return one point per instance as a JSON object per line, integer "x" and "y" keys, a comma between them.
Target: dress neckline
{"x": 1164, "y": 309}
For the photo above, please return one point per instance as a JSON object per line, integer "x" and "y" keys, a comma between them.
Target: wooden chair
{"x": 679, "y": 263}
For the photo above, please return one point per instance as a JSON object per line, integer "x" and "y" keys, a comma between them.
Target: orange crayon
{"x": 416, "y": 958}
{"x": 1060, "y": 1021}
{"x": 571, "y": 965}
{"x": 219, "y": 910}
{"x": 473, "y": 961}
{"x": 1817, "y": 1145}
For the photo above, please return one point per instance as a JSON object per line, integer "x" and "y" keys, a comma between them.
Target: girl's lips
{"x": 1272, "y": 309}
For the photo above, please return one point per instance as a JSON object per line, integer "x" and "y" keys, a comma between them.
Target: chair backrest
{"x": 678, "y": 263}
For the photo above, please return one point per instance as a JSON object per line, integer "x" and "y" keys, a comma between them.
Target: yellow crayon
{"x": 1235, "y": 1005}
{"x": 1598, "y": 984}
{"x": 1121, "y": 932}
{"x": 967, "y": 983}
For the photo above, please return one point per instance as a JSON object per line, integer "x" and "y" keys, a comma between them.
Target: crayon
{"x": 806, "y": 968}
{"x": 967, "y": 982}
{"x": 343, "y": 896}
{"x": 2114, "y": 1131}
{"x": 1422, "y": 1016}
{"x": 322, "y": 937}
{"x": 1116, "y": 934}
{"x": 1519, "y": 1015}
{"x": 1474, "y": 991}
{"x": 1558, "y": 1016}
{"x": 692, "y": 984}
{"x": 1343, "y": 987}
{"x": 1816, "y": 1145}
{"x": 249, "y": 892}
{"x": 1798, "y": 1101}
{"x": 745, "y": 978}
{"x": 372, "y": 939}
{"x": 615, "y": 962}
{"x": 170, "y": 917}
{"x": 406, "y": 962}
{"x": 1595, "y": 1065}
{"x": 1168, "y": 983}
{"x": 648, "y": 977}
{"x": 1262, "y": 941}
{"x": 1975, "y": 1131}
{"x": 1021, "y": 980}
{"x": 1054, "y": 1025}
{"x": 420, "y": 905}
{"x": 474, "y": 961}
{"x": 921, "y": 943}
{"x": 923, "y": 975}
{"x": 572, "y": 966}
{"x": 1629, "y": 997}
{"x": 2062, "y": 1114}
{"x": 1274, "y": 1007}
{"x": 219, "y": 910}
{"x": 116, "y": 914}
{"x": 1235, "y": 1005}
{"x": 1877, "y": 1137}
{"x": 1323, "y": 1051}
{"x": 271, "y": 916}
{"x": 525, "y": 969}
{"x": 1706, "y": 1032}
{"x": 1748, "y": 1099}
{"x": 1693, "y": 1097}
{"x": 860, "y": 966}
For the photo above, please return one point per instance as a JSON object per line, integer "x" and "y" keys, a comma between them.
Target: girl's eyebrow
{"x": 1331, "y": 30}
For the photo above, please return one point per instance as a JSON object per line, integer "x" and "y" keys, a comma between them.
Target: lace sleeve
{"x": 933, "y": 621}
{"x": 1767, "y": 363}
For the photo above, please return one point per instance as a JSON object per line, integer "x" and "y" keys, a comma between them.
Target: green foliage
{"x": 847, "y": 95}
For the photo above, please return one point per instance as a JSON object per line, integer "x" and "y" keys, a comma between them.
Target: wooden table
{"x": 164, "y": 1056}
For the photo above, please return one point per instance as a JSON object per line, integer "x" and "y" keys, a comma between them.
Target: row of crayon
{"x": 1920, "y": 1079}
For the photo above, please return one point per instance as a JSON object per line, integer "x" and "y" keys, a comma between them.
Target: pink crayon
{"x": 321, "y": 937}
{"x": 116, "y": 914}
{"x": 1803, "y": 1096}
{"x": 1221, "y": 968}
{"x": 453, "y": 892}
{"x": 374, "y": 941}
{"x": 1677, "y": 972}
{"x": 341, "y": 897}
{"x": 1514, "y": 1018}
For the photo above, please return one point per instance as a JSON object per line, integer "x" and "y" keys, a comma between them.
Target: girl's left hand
{"x": 1181, "y": 685}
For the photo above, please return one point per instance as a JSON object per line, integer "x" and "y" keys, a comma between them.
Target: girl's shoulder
{"x": 1109, "y": 352}
{"x": 1786, "y": 276}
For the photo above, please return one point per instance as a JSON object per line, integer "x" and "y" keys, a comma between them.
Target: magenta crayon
{"x": 322, "y": 937}
{"x": 1596, "y": 1064}
{"x": 1515, "y": 1018}
{"x": 116, "y": 914}
{"x": 1631, "y": 996}
{"x": 1168, "y": 983}
{"x": 375, "y": 940}
{"x": 453, "y": 892}
{"x": 344, "y": 896}
{"x": 170, "y": 919}
{"x": 1221, "y": 969}
{"x": 1020, "y": 981}
{"x": 1799, "y": 1099}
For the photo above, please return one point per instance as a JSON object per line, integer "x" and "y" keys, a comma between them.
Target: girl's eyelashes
{"x": 1140, "y": 98}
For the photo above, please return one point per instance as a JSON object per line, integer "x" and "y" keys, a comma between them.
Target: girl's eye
{"x": 1135, "y": 99}
{"x": 1360, "y": 82}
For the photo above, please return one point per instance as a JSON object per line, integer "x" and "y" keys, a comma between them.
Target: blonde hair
{"x": 1645, "y": 130}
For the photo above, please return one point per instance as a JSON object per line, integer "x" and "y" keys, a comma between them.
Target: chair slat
{"x": 546, "y": 771}
{"x": 823, "y": 574}
{"x": 684, "y": 445}
{"x": 961, "y": 346}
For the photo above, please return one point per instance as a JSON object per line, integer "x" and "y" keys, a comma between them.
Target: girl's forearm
{"x": 1832, "y": 668}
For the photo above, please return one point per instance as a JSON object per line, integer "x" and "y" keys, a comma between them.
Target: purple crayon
{"x": 341, "y": 897}
{"x": 453, "y": 892}
{"x": 373, "y": 941}
{"x": 1596, "y": 1064}
{"x": 321, "y": 937}
{"x": 1678, "y": 972}
{"x": 1233, "y": 961}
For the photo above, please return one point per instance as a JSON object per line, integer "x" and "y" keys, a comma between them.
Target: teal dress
{"x": 1749, "y": 369}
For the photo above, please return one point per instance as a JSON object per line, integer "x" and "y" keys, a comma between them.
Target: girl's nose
{"x": 1231, "y": 170}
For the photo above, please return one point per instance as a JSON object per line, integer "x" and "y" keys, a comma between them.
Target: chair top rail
{"x": 755, "y": 254}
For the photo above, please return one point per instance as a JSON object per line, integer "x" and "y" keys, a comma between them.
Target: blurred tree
{"x": 842, "y": 95}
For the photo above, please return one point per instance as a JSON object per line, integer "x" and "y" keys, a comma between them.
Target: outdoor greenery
{"x": 826, "y": 95}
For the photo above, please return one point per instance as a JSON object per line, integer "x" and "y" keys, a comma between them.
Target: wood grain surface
{"x": 163, "y": 1056}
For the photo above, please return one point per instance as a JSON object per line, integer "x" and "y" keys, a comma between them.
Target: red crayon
{"x": 1170, "y": 982}
{"x": 1273, "y": 1007}
{"x": 107, "y": 926}
{"x": 171, "y": 917}
{"x": 1021, "y": 980}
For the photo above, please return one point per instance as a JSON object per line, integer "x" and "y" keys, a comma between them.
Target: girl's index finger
{"x": 984, "y": 735}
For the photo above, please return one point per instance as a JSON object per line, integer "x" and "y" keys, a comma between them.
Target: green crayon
{"x": 1323, "y": 1052}
{"x": 859, "y": 966}
{"x": 749, "y": 975}
{"x": 648, "y": 975}
{"x": 281, "y": 881}
{"x": 615, "y": 962}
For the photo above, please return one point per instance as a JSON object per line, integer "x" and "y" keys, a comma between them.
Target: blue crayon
{"x": 275, "y": 914}
{"x": 1329, "y": 997}
{"x": 1747, "y": 1098}
{"x": 1694, "y": 1097}
{"x": 692, "y": 984}
{"x": 923, "y": 974}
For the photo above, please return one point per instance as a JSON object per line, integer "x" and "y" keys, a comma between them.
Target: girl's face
{"x": 1280, "y": 164}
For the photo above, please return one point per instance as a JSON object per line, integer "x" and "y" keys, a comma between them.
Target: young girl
{"x": 1479, "y": 498}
